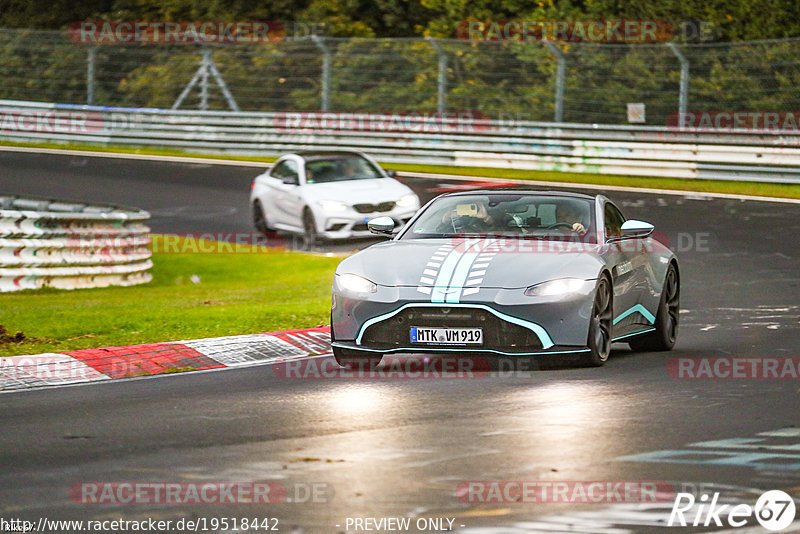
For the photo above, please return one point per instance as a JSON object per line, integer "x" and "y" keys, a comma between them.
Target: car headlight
{"x": 332, "y": 206}
{"x": 357, "y": 284}
{"x": 562, "y": 286}
{"x": 408, "y": 201}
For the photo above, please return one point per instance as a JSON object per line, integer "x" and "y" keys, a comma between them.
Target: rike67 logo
{"x": 774, "y": 510}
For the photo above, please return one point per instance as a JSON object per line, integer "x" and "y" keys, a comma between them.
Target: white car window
{"x": 287, "y": 171}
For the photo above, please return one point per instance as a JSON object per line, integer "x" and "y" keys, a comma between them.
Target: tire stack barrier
{"x": 64, "y": 245}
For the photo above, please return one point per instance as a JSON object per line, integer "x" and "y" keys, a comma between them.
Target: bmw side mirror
{"x": 391, "y": 173}
{"x": 381, "y": 226}
{"x": 636, "y": 229}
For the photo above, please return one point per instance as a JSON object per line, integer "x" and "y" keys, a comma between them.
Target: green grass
{"x": 706, "y": 186}
{"x": 241, "y": 293}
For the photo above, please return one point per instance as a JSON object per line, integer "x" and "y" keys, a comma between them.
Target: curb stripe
{"x": 129, "y": 361}
{"x": 149, "y": 359}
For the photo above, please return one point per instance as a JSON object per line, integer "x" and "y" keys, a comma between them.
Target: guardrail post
{"x": 683, "y": 98}
{"x": 561, "y": 71}
{"x": 90, "y": 58}
{"x": 325, "y": 98}
{"x": 441, "y": 101}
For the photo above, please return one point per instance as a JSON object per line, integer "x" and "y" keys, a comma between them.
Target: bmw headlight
{"x": 562, "y": 286}
{"x": 332, "y": 206}
{"x": 408, "y": 201}
{"x": 357, "y": 284}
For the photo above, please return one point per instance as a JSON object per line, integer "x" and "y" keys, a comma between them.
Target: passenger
{"x": 569, "y": 213}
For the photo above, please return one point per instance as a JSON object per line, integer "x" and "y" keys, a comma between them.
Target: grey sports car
{"x": 507, "y": 272}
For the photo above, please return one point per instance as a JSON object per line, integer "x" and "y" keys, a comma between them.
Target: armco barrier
{"x": 458, "y": 139}
{"x": 47, "y": 243}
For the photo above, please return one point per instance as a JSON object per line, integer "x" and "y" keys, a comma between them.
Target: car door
{"x": 284, "y": 203}
{"x": 627, "y": 259}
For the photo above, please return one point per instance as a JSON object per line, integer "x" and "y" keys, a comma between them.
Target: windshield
{"x": 507, "y": 215}
{"x": 339, "y": 169}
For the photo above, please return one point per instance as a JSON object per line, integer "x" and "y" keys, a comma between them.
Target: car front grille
{"x": 497, "y": 333}
{"x": 374, "y": 208}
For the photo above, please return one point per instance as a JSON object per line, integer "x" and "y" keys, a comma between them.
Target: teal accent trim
{"x": 468, "y": 349}
{"x": 443, "y": 279}
{"x": 634, "y": 334}
{"x": 540, "y": 332}
{"x": 638, "y": 308}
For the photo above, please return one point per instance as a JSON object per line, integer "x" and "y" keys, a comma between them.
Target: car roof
{"x": 314, "y": 154}
{"x": 516, "y": 190}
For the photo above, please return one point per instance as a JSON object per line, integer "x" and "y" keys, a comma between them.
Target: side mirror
{"x": 391, "y": 173}
{"x": 636, "y": 229}
{"x": 381, "y": 226}
{"x": 290, "y": 180}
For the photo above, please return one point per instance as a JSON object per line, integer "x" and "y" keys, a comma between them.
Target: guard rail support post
{"x": 441, "y": 104}
{"x": 326, "y": 72}
{"x": 561, "y": 71}
{"x": 683, "y": 98}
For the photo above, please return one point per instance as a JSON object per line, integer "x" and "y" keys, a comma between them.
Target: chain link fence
{"x": 505, "y": 80}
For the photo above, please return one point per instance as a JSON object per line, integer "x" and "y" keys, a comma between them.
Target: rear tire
{"x": 666, "y": 324}
{"x": 599, "y": 340}
{"x": 356, "y": 359}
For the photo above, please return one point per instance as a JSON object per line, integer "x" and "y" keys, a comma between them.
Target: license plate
{"x": 447, "y": 336}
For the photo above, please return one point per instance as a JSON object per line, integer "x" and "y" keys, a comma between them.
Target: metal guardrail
{"x": 48, "y": 243}
{"x": 460, "y": 140}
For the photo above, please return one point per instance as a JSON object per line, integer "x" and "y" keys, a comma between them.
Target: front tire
{"x": 599, "y": 340}
{"x": 260, "y": 218}
{"x": 666, "y": 332}
{"x": 310, "y": 235}
{"x": 356, "y": 359}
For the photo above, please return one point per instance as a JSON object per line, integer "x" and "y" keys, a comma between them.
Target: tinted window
{"x": 613, "y": 220}
{"x": 506, "y": 214}
{"x": 339, "y": 169}
{"x": 286, "y": 171}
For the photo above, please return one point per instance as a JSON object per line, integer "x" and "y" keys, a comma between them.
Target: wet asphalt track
{"x": 383, "y": 448}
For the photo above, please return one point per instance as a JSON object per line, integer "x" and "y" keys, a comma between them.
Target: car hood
{"x": 356, "y": 191}
{"x": 513, "y": 264}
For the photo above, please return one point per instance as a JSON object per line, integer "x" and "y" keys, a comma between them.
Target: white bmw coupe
{"x": 329, "y": 195}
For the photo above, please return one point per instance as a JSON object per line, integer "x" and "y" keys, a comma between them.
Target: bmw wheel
{"x": 599, "y": 341}
{"x": 310, "y": 236}
{"x": 666, "y": 332}
{"x": 260, "y": 218}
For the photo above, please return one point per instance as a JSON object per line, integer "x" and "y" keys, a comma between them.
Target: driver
{"x": 348, "y": 169}
{"x": 476, "y": 218}
{"x": 568, "y": 213}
